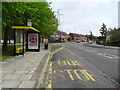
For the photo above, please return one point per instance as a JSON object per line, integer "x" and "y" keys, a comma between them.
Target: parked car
{"x": 78, "y": 41}
{"x": 90, "y": 42}
{"x": 65, "y": 40}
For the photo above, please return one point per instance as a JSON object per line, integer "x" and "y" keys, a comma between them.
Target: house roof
{"x": 77, "y": 35}
{"x": 61, "y": 33}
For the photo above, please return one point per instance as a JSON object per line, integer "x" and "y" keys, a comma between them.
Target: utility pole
{"x": 59, "y": 27}
{"x": 58, "y": 16}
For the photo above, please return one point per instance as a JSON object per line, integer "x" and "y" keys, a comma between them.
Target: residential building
{"x": 80, "y": 37}
{"x": 58, "y": 36}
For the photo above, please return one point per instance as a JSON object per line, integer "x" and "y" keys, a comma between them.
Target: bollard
{"x": 46, "y": 46}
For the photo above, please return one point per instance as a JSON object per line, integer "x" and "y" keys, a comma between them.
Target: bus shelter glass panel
{"x": 25, "y": 42}
{"x": 19, "y": 41}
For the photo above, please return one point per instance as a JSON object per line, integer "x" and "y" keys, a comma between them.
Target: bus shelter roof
{"x": 25, "y": 27}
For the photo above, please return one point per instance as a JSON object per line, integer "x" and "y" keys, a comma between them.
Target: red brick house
{"x": 59, "y": 36}
{"x": 80, "y": 37}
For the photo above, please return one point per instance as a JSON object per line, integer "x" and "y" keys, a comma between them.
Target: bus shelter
{"x": 26, "y": 38}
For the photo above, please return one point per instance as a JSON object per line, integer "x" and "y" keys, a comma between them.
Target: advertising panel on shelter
{"x": 33, "y": 41}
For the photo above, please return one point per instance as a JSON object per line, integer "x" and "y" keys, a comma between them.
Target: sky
{"x": 81, "y": 16}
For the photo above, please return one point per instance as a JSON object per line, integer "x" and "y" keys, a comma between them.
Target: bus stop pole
{"x": 14, "y": 42}
{"x": 23, "y": 41}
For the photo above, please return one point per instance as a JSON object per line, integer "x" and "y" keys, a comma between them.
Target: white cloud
{"x": 83, "y": 0}
{"x": 81, "y": 17}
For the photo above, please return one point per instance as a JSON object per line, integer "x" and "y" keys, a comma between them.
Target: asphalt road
{"x": 106, "y": 60}
{"x": 79, "y": 66}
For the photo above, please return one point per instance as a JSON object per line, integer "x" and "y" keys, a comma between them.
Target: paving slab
{"x": 7, "y": 72}
{"x": 25, "y": 77}
{"x": 31, "y": 71}
{"x": 27, "y": 84}
{"x": 21, "y": 71}
{"x": 10, "y": 84}
{"x": 21, "y": 68}
{"x": 18, "y": 71}
{"x": 11, "y": 77}
{"x": 0, "y": 81}
{"x": 0, "y": 86}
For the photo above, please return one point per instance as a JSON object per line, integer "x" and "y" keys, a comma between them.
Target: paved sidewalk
{"x": 19, "y": 71}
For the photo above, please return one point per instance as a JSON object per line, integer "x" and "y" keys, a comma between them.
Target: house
{"x": 80, "y": 37}
{"x": 58, "y": 36}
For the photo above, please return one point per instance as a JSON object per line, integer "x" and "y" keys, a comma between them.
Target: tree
{"x": 114, "y": 34}
{"x": 69, "y": 39}
{"x": 103, "y": 31}
{"x": 91, "y": 35}
{"x": 17, "y": 13}
{"x": 95, "y": 38}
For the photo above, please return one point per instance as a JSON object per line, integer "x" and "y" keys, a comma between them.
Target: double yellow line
{"x": 49, "y": 87}
{"x": 55, "y": 52}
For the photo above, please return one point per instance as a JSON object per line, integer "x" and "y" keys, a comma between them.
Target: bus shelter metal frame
{"x": 25, "y": 30}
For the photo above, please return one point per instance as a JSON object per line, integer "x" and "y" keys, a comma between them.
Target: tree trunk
{"x": 4, "y": 47}
{"x": 9, "y": 40}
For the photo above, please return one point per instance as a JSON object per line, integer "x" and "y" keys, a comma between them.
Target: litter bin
{"x": 46, "y": 46}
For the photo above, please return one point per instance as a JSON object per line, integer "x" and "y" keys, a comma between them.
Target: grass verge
{"x": 8, "y": 53}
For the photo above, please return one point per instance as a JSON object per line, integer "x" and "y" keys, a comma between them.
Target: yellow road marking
{"x": 49, "y": 87}
{"x": 51, "y": 64}
{"x": 64, "y": 62}
{"x": 90, "y": 76}
{"x": 68, "y": 71}
{"x": 75, "y": 71}
{"x": 51, "y": 55}
{"x": 85, "y": 75}
{"x": 73, "y": 62}
{"x": 61, "y": 71}
{"x": 68, "y": 63}
{"x": 46, "y": 82}
{"x": 56, "y": 51}
{"x": 50, "y": 69}
{"x": 59, "y": 63}
{"x": 77, "y": 63}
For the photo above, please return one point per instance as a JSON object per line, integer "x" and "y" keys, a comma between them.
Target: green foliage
{"x": 114, "y": 34}
{"x": 95, "y": 37}
{"x": 91, "y": 36}
{"x": 114, "y": 43}
{"x": 112, "y": 39}
{"x": 17, "y": 13}
{"x": 69, "y": 39}
{"x": 103, "y": 31}
{"x": 99, "y": 39}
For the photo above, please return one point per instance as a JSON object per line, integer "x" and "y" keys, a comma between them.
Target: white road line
{"x": 101, "y": 72}
{"x": 90, "y": 50}
{"x": 104, "y": 55}
{"x": 111, "y": 55}
{"x": 94, "y": 51}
